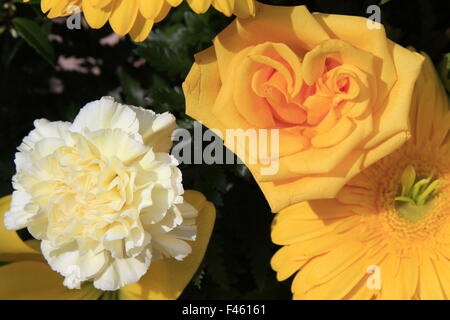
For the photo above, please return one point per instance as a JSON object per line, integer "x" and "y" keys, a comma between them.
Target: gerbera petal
{"x": 430, "y": 287}
{"x": 150, "y": 9}
{"x": 174, "y": 3}
{"x": 338, "y": 287}
{"x": 98, "y": 3}
{"x": 123, "y": 16}
{"x": 284, "y": 264}
{"x": 336, "y": 261}
{"x": 96, "y": 16}
{"x": 224, "y": 6}
{"x": 199, "y": 6}
{"x": 442, "y": 268}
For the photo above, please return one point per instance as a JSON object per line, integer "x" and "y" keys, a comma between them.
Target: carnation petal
{"x": 105, "y": 114}
{"x": 122, "y": 272}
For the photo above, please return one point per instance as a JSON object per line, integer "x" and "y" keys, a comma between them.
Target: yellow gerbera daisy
{"x": 387, "y": 233}
{"x": 27, "y": 276}
{"x": 136, "y": 17}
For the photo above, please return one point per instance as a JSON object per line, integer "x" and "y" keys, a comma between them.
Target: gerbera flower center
{"x": 413, "y": 203}
{"x": 413, "y": 196}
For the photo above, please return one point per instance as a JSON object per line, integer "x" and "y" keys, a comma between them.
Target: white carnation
{"x": 103, "y": 194}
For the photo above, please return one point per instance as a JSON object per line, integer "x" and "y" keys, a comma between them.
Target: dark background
{"x": 33, "y": 85}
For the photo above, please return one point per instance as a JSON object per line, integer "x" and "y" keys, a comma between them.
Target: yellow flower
{"x": 389, "y": 225}
{"x": 136, "y": 17}
{"x": 103, "y": 195}
{"x": 338, "y": 92}
{"x": 29, "y": 277}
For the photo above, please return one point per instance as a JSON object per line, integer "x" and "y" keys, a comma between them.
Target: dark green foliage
{"x": 237, "y": 263}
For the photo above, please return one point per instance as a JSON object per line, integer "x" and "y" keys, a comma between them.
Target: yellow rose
{"x": 338, "y": 92}
{"x": 386, "y": 235}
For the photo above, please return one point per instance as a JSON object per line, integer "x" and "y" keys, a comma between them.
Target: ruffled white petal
{"x": 68, "y": 261}
{"x": 125, "y": 271}
{"x": 171, "y": 246}
{"x": 103, "y": 194}
{"x": 21, "y": 211}
{"x": 105, "y": 114}
{"x": 116, "y": 143}
{"x": 44, "y": 129}
{"x": 156, "y": 130}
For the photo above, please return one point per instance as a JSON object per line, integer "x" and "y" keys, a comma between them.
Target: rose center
{"x": 343, "y": 84}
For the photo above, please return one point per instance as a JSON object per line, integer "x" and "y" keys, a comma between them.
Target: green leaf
{"x": 134, "y": 94}
{"x": 33, "y": 35}
{"x": 198, "y": 278}
{"x": 445, "y": 71}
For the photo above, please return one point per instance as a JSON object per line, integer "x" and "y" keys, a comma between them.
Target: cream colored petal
{"x": 122, "y": 272}
{"x": 167, "y": 278}
{"x": 156, "y": 130}
{"x": 105, "y": 114}
{"x": 12, "y": 248}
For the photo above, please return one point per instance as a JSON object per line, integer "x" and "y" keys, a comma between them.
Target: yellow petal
{"x": 283, "y": 193}
{"x": 98, "y": 3}
{"x": 314, "y": 60}
{"x": 224, "y": 6}
{"x": 429, "y": 286}
{"x": 338, "y": 133}
{"x": 174, "y": 3}
{"x": 12, "y": 248}
{"x": 201, "y": 88}
{"x": 166, "y": 279}
{"x": 336, "y": 261}
{"x": 293, "y": 26}
{"x": 244, "y": 8}
{"x": 151, "y": 9}
{"x": 443, "y": 268}
{"x": 199, "y": 6}
{"x": 164, "y": 12}
{"x": 354, "y": 30}
{"x": 123, "y": 16}
{"x": 141, "y": 28}
{"x": 430, "y": 119}
{"x": 340, "y": 285}
{"x": 285, "y": 265}
{"x": 399, "y": 278}
{"x": 61, "y": 8}
{"x": 96, "y": 16}
{"x": 46, "y": 5}
{"x": 395, "y": 111}
{"x": 30, "y": 280}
